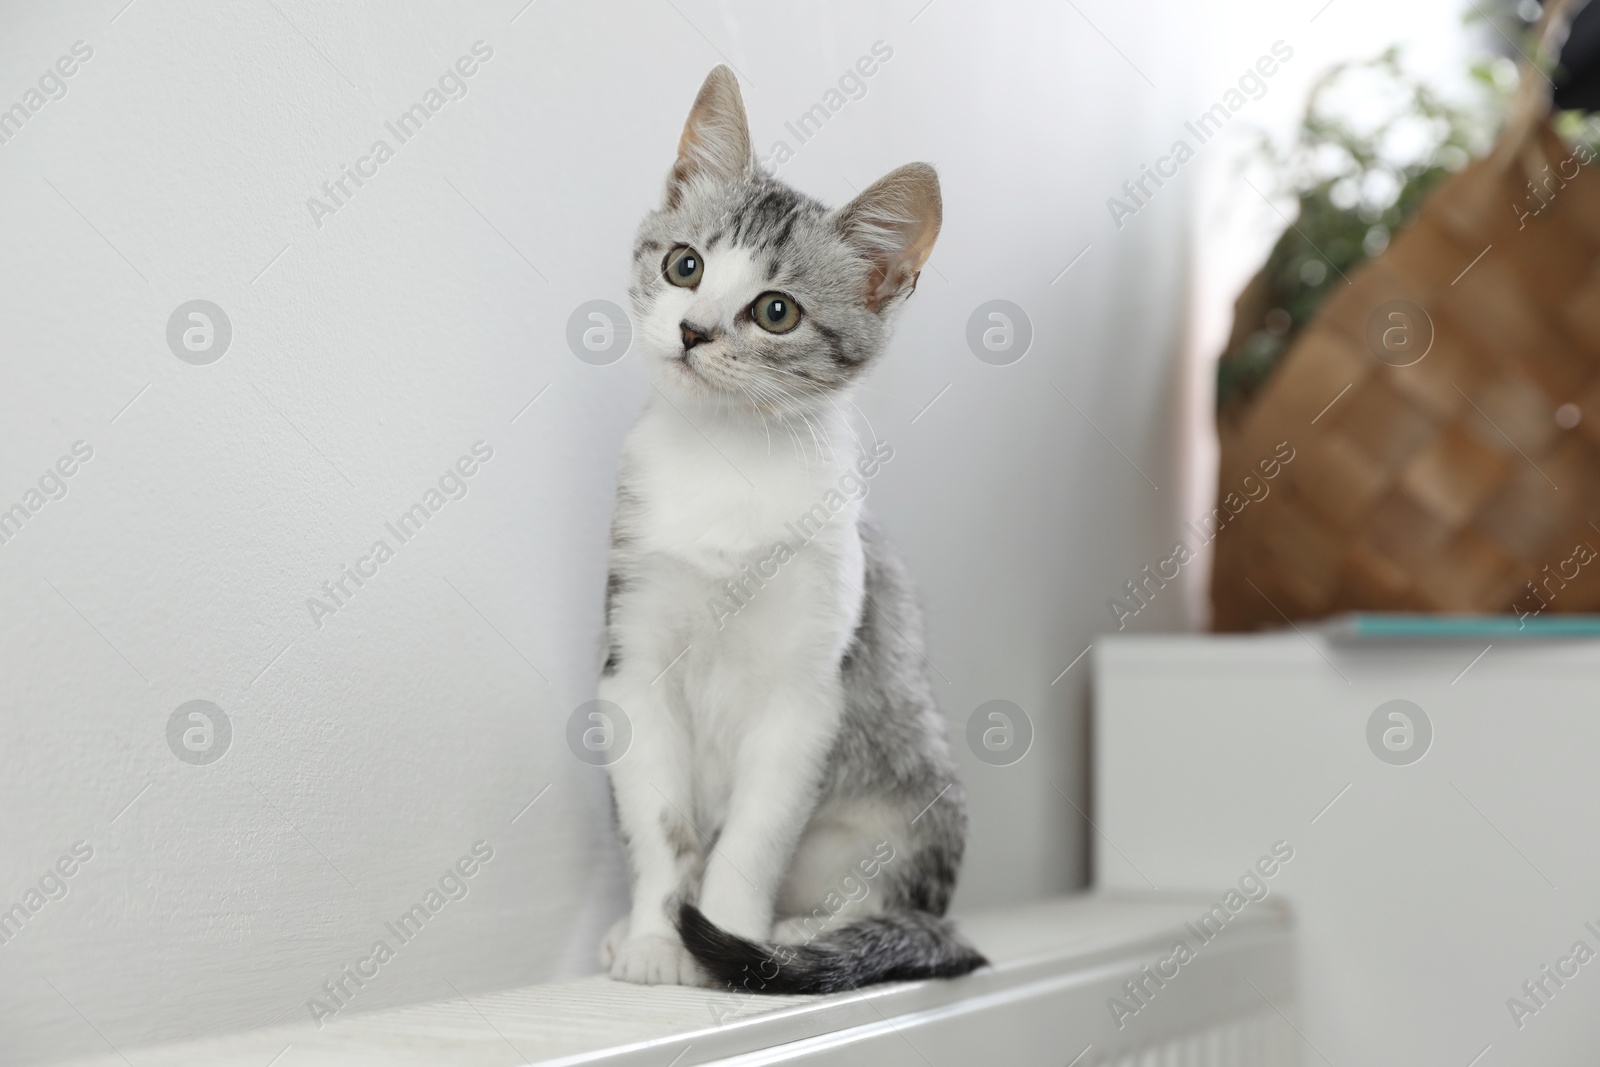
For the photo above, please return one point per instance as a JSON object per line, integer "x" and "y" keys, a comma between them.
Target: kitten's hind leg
{"x": 834, "y": 878}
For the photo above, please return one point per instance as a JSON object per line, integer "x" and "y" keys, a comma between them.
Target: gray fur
{"x": 892, "y": 741}
{"x": 802, "y": 251}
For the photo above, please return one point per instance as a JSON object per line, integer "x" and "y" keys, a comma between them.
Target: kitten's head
{"x": 748, "y": 291}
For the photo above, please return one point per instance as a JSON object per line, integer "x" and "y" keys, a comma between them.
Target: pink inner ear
{"x": 895, "y": 261}
{"x": 878, "y": 287}
{"x": 716, "y": 137}
{"x": 888, "y": 278}
{"x": 894, "y": 223}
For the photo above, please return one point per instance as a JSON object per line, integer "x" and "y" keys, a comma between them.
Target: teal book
{"x": 1405, "y": 626}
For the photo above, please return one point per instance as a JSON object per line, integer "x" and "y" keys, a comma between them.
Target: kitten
{"x": 788, "y": 762}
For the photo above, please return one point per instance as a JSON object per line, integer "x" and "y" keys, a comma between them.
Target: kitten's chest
{"x": 713, "y": 499}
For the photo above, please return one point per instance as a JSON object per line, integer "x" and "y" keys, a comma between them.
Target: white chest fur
{"x": 745, "y": 581}
{"x": 716, "y": 493}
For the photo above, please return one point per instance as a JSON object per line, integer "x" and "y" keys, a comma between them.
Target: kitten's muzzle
{"x": 692, "y": 334}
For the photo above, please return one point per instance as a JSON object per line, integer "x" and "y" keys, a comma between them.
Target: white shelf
{"x": 1425, "y": 892}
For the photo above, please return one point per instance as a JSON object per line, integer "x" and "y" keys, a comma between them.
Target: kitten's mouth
{"x": 685, "y": 362}
{"x": 703, "y": 375}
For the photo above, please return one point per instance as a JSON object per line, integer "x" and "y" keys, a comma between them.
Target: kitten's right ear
{"x": 715, "y": 145}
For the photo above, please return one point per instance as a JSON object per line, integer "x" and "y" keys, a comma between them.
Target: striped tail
{"x": 885, "y": 948}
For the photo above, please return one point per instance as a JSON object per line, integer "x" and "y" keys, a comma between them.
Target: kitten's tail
{"x": 884, "y": 948}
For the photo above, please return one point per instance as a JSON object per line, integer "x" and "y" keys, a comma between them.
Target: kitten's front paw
{"x": 655, "y": 960}
{"x": 612, "y": 941}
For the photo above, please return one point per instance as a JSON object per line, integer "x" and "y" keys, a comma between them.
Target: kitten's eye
{"x": 683, "y": 266}
{"x": 775, "y": 312}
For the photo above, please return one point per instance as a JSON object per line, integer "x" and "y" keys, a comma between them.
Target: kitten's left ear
{"x": 894, "y": 224}
{"x": 716, "y": 138}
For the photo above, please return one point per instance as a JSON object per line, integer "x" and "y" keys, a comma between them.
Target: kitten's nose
{"x": 693, "y": 335}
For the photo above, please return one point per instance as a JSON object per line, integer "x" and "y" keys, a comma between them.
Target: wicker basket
{"x": 1468, "y": 480}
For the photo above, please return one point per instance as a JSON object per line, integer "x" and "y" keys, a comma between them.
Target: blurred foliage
{"x": 1356, "y": 183}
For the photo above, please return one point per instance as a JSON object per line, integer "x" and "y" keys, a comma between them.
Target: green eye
{"x": 775, "y": 312}
{"x": 683, "y": 267}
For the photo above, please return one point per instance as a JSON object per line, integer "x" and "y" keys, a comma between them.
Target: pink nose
{"x": 692, "y": 335}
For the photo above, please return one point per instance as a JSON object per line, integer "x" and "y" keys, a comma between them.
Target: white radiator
{"x": 1061, "y": 970}
{"x": 1259, "y": 1040}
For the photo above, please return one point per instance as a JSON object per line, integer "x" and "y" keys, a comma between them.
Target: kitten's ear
{"x": 716, "y": 139}
{"x": 894, "y": 224}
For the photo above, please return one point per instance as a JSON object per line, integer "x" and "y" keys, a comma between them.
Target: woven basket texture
{"x": 1459, "y": 482}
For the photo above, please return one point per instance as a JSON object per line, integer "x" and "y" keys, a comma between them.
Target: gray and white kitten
{"x": 789, "y": 779}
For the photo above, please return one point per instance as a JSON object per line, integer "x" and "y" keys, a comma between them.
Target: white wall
{"x": 367, "y": 354}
